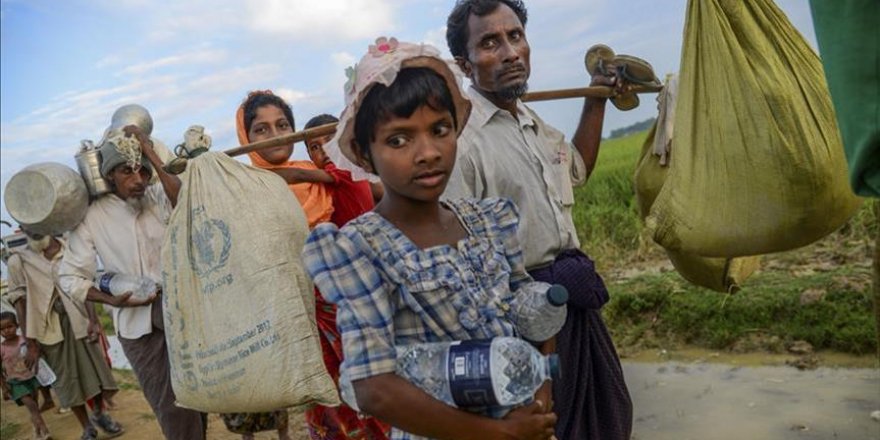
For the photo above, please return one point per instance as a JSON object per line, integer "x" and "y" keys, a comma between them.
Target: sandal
{"x": 597, "y": 58}
{"x": 89, "y": 434}
{"x": 600, "y": 59}
{"x": 637, "y": 71}
{"x": 108, "y": 425}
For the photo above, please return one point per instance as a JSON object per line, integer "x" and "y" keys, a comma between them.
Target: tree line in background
{"x": 634, "y": 128}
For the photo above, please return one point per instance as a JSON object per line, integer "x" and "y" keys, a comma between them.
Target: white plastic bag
{"x": 45, "y": 375}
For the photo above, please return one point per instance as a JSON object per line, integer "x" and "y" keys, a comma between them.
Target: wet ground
{"x": 719, "y": 402}
{"x": 693, "y": 394}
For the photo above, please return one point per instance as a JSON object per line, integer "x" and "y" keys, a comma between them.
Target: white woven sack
{"x": 239, "y": 307}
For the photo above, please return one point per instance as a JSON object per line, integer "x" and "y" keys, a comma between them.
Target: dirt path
{"x": 689, "y": 394}
{"x": 132, "y": 412}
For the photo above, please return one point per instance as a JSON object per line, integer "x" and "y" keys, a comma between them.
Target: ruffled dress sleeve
{"x": 505, "y": 216}
{"x": 341, "y": 267}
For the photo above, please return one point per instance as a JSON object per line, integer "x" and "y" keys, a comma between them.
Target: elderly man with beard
{"x": 65, "y": 332}
{"x": 506, "y": 150}
{"x": 125, "y": 229}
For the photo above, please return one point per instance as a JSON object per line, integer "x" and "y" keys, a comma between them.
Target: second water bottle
{"x": 118, "y": 283}
{"x": 500, "y": 372}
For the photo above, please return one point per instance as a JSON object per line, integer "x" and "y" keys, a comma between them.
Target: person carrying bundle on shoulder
{"x": 125, "y": 229}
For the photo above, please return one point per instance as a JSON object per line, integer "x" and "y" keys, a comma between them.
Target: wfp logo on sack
{"x": 211, "y": 243}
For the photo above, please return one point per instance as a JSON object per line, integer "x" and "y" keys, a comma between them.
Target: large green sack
{"x": 757, "y": 165}
{"x": 719, "y": 274}
{"x": 849, "y": 43}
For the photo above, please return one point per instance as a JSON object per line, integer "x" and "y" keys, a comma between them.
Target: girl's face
{"x": 414, "y": 156}
{"x": 269, "y": 123}
{"x": 7, "y": 328}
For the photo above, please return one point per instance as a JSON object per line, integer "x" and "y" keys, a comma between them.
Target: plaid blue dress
{"x": 389, "y": 292}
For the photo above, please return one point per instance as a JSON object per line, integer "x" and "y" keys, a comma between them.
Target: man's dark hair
{"x": 457, "y": 23}
{"x": 10, "y": 316}
{"x": 322, "y": 119}
{"x": 413, "y": 88}
{"x": 257, "y": 100}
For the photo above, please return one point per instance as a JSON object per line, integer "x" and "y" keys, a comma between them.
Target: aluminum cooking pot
{"x": 47, "y": 198}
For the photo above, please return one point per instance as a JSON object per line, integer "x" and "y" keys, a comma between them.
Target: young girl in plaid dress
{"x": 416, "y": 269}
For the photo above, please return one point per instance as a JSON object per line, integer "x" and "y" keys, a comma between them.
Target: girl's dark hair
{"x": 257, "y": 100}
{"x": 322, "y": 119}
{"x": 457, "y": 23}
{"x": 10, "y": 316}
{"x": 413, "y": 88}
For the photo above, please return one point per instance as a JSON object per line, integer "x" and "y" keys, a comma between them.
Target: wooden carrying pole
{"x": 323, "y": 130}
{"x": 287, "y": 139}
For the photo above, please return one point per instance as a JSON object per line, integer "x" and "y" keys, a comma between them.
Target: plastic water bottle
{"x": 539, "y": 312}
{"x": 502, "y": 371}
{"x": 45, "y": 375}
{"x": 118, "y": 283}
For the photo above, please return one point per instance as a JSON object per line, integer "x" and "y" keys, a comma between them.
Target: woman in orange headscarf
{"x": 264, "y": 115}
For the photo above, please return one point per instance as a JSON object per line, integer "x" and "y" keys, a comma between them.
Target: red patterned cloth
{"x": 350, "y": 198}
{"x": 342, "y": 422}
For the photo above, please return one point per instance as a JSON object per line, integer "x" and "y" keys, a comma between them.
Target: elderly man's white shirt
{"x": 127, "y": 241}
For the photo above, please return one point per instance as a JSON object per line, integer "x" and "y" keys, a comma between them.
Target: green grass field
{"x": 658, "y": 307}
{"x": 605, "y": 211}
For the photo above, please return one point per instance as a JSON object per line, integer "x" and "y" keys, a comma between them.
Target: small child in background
{"x": 19, "y": 381}
{"x": 350, "y": 198}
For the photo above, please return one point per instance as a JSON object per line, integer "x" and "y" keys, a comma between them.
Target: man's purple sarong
{"x": 591, "y": 398}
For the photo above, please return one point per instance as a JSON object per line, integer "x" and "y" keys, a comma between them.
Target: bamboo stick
{"x": 583, "y": 92}
{"x": 287, "y": 139}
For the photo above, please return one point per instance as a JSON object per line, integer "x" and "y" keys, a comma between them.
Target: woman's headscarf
{"x": 315, "y": 199}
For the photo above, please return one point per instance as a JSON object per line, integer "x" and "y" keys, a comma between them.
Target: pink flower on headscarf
{"x": 383, "y": 46}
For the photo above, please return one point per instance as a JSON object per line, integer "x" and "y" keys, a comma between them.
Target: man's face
{"x": 316, "y": 150}
{"x": 497, "y": 54}
{"x": 129, "y": 182}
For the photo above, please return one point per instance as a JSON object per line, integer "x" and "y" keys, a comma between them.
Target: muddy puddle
{"x": 708, "y": 401}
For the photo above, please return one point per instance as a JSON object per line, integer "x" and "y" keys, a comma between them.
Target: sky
{"x": 66, "y": 65}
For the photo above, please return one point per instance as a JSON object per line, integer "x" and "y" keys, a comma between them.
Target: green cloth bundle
{"x": 757, "y": 164}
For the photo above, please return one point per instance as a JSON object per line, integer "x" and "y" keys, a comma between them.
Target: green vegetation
{"x": 605, "y": 211}
{"x": 9, "y": 429}
{"x": 105, "y": 318}
{"x": 662, "y": 310}
{"x": 634, "y": 128}
{"x": 652, "y": 306}
{"x": 126, "y": 379}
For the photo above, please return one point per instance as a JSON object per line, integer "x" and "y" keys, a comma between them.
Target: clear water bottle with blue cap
{"x": 119, "y": 283}
{"x": 499, "y": 372}
{"x": 539, "y": 310}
